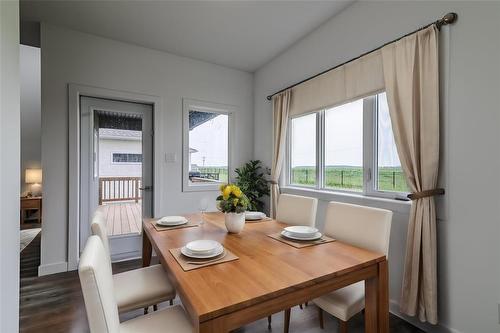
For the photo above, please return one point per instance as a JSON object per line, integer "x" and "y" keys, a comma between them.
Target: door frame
{"x": 75, "y": 91}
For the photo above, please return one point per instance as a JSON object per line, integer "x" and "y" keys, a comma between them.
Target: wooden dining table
{"x": 269, "y": 276}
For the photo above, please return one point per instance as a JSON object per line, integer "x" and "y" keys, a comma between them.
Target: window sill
{"x": 354, "y": 198}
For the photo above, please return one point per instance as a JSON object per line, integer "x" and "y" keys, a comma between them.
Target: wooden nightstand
{"x": 33, "y": 206}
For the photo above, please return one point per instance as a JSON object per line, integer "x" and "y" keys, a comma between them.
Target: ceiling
{"x": 240, "y": 34}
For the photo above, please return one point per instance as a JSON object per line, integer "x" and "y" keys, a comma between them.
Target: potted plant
{"x": 233, "y": 203}
{"x": 252, "y": 181}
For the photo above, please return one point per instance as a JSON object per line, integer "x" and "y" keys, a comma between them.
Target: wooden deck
{"x": 123, "y": 218}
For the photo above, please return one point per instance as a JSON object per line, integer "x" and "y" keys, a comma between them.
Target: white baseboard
{"x": 57, "y": 267}
{"x": 426, "y": 327}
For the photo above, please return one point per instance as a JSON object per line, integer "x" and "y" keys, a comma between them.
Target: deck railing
{"x": 119, "y": 189}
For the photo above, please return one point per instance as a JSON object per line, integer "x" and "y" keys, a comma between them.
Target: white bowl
{"x": 213, "y": 254}
{"x": 253, "y": 216}
{"x": 315, "y": 236}
{"x": 301, "y": 231}
{"x": 203, "y": 246}
{"x": 172, "y": 220}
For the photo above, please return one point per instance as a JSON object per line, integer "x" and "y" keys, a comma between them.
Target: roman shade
{"x": 357, "y": 79}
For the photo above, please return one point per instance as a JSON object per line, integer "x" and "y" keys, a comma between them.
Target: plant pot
{"x": 234, "y": 222}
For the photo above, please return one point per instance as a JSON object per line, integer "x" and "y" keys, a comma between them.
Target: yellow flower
{"x": 235, "y": 202}
{"x": 226, "y": 192}
{"x": 222, "y": 187}
{"x": 237, "y": 192}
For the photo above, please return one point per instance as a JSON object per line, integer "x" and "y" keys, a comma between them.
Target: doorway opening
{"x": 119, "y": 166}
{"x": 116, "y": 170}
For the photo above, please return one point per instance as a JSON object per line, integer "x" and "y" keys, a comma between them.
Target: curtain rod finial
{"x": 447, "y": 19}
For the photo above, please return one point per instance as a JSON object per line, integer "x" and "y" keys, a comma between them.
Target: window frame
{"x": 370, "y": 153}
{"x": 188, "y": 105}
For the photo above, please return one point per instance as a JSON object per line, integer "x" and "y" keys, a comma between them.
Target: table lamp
{"x": 33, "y": 177}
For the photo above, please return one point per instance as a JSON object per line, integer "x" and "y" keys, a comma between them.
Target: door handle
{"x": 146, "y": 188}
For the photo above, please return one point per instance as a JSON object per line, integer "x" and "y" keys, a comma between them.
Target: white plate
{"x": 254, "y": 216}
{"x": 301, "y": 231}
{"x": 209, "y": 253}
{"x": 189, "y": 254}
{"x": 203, "y": 246}
{"x": 170, "y": 221}
{"x": 316, "y": 236}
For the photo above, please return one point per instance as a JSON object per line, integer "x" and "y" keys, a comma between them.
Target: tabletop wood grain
{"x": 268, "y": 276}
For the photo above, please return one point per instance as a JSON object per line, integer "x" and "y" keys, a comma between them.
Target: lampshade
{"x": 33, "y": 176}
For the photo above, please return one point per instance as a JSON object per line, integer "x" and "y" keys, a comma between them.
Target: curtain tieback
{"x": 426, "y": 193}
{"x": 273, "y": 182}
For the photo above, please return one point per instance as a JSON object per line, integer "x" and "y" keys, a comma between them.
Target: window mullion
{"x": 369, "y": 140}
{"x": 321, "y": 149}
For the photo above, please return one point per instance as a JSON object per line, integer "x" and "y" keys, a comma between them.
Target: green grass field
{"x": 351, "y": 178}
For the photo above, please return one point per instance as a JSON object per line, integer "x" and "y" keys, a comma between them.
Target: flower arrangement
{"x": 232, "y": 199}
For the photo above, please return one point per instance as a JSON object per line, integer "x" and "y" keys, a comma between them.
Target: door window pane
{"x": 208, "y": 147}
{"x": 390, "y": 175}
{"x": 303, "y": 150}
{"x": 344, "y": 147}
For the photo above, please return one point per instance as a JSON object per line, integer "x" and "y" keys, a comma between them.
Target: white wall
{"x": 73, "y": 57}
{"x": 109, "y": 169}
{"x": 468, "y": 232}
{"x": 9, "y": 166}
{"x": 30, "y": 113}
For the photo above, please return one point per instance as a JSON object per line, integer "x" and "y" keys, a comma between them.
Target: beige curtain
{"x": 281, "y": 111}
{"x": 412, "y": 86}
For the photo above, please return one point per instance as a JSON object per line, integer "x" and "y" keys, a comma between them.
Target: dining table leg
{"x": 147, "y": 250}
{"x": 383, "y": 297}
{"x": 377, "y": 301}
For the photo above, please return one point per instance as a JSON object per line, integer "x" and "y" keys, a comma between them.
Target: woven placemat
{"x": 163, "y": 228}
{"x": 300, "y": 244}
{"x": 189, "y": 264}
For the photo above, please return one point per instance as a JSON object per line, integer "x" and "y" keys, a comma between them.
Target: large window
{"x": 349, "y": 147}
{"x": 206, "y": 145}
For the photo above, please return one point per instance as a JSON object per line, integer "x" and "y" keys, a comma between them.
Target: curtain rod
{"x": 445, "y": 20}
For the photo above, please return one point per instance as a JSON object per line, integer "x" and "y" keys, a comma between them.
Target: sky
{"x": 343, "y": 137}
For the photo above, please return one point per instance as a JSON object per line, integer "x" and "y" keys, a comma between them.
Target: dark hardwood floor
{"x": 54, "y": 304}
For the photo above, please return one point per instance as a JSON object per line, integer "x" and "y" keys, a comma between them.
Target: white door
{"x": 116, "y": 170}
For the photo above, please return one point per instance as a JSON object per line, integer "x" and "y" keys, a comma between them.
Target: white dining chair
{"x": 138, "y": 288}
{"x": 365, "y": 227}
{"x": 295, "y": 210}
{"x": 102, "y": 311}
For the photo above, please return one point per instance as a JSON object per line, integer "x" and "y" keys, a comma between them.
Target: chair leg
{"x": 307, "y": 303}
{"x": 146, "y": 310}
{"x": 342, "y": 326}
{"x": 155, "y": 307}
{"x": 269, "y": 322}
{"x": 320, "y": 315}
{"x": 286, "y": 324}
{"x": 300, "y": 306}
{"x": 171, "y": 302}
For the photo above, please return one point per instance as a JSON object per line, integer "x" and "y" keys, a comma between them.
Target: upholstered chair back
{"x": 97, "y": 286}
{"x": 365, "y": 227}
{"x": 296, "y": 210}
{"x": 98, "y": 226}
